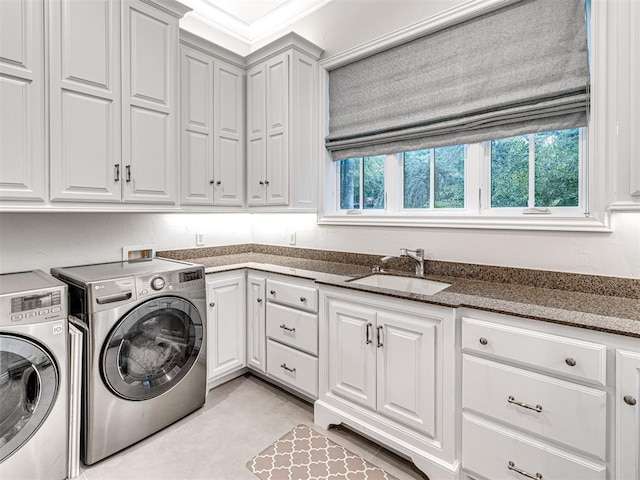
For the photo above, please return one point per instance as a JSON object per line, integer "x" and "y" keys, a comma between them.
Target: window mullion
{"x": 361, "y": 192}
{"x": 432, "y": 179}
{"x": 532, "y": 172}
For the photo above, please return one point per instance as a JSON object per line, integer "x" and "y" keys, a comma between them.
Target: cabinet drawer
{"x": 293, "y": 327}
{"x": 571, "y": 414}
{"x": 488, "y": 450}
{"x": 298, "y": 296}
{"x": 295, "y": 368}
{"x": 567, "y": 356}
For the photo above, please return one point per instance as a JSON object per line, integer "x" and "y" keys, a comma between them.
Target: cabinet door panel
{"x": 149, "y": 47}
{"x": 197, "y": 127}
{"x": 256, "y": 317}
{"x": 229, "y": 136}
{"x": 22, "y": 124}
{"x": 352, "y": 370}
{"x": 406, "y": 370}
{"x": 225, "y": 324}
{"x": 87, "y": 172}
{"x": 256, "y": 135}
{"x": 255, "y": 171}
{"x": 149, "y": 160}
{"x": 277, "y": 97}
{"x": 149, "y": 98}
{"x": 628, "y": 414}
{"x": 196, "y": 188}
{"x": 277, "y": 169}
{"x": 85, "y": 101}
{"x": 87, "y": 41}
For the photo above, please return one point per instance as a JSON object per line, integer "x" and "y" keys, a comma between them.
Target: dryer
{"x": 33, "y": 376}
{"x": 144, "y": 362}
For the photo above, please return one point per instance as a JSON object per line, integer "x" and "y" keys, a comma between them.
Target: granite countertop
{"x": 613, "y": 314}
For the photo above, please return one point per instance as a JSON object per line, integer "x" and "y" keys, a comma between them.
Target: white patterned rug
{"x": 303, "y": 454}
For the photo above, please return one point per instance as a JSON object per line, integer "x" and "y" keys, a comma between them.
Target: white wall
{"x": 31, "y": 241}
{"x": 614, "y": 254}
{"x": 44, "y": 240}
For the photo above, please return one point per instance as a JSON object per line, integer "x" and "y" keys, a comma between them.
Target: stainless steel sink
{"x": 402, "y": 284}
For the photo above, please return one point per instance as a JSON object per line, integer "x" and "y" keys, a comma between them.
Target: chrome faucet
{"x": 417, "y": 256}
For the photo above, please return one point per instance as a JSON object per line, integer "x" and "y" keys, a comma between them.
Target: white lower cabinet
{"x": 628, "y": 414}
{"x": 536, "y": 401}
{"x": 297, "y": 369}
{"x": 496, "y": 452}
{"x": 387, "y": 369}
{"x": 226, "y": 333}
{"x": 282, "y": 331}
{"x": 256, "y": 318}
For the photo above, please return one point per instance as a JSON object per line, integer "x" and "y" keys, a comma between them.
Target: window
{"x": 536, "y": 171}
{"x": 434, "y": 178}
{"x": 362, "y": 183}
{"x": 531, "y": 174}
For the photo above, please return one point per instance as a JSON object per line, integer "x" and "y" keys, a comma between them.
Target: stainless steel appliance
{"x": 33, "y": 376}
{"x": 144, "y": 351}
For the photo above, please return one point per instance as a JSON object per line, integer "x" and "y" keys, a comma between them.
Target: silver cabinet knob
{"x": 629, "y": 400}
{"x": 302, "y": 299}
{"x": 219, "y": 182}
{"x": 272, "y": 292}
{"x": 483, "y": 341}
{"x": 261, "y": 182}
{"x": 266, "y": 182}
{"x": 212, "y": 304}
{"x": 570, "y": 361}
{"x": 211, "y": 182}
{"x": 259, "y": 300}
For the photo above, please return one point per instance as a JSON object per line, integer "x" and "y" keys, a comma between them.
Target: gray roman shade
{"x": 519, "y": 69}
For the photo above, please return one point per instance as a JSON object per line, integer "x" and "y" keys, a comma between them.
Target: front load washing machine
{"x": 33, "y": 376}
{"x": 144, "y": 360}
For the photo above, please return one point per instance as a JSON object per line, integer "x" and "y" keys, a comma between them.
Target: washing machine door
{"x": 152, "y": 348}
{"x": 28, "y": 390}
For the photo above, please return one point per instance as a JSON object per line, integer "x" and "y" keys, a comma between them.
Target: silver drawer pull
{"x": 483, "y": 341}
{"x": 292, "y": 370}
{"x": 379, "y": 329}
{"x": 570, "y": 361}
{"x": 629, "y": 400}
{"x": 284, "y": 327}
{"x": 537, "y": 408}
{"x": 512, "y": 466}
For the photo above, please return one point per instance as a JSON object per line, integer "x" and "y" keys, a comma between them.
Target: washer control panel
{"x": 168, "y": 282}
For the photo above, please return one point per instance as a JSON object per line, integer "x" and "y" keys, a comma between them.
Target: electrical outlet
{"x": 292, "y": 238}
{"x": 199, "y": 239}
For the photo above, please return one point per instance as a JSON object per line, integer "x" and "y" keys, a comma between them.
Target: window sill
{"x": 566, "y": 224}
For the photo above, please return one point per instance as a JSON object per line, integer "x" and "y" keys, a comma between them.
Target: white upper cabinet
{"x": 212, "y": 157}
{"x": 228, "y": 140}
{"x": 22, "y": 115}
{"x": 85, "y": 100}
{"x": 282, "y": 133}
{"x": 114, "y": 101}
{"x": 150, "y": 77}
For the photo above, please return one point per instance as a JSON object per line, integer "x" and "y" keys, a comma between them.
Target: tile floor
{"x": 239, "y": 420}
